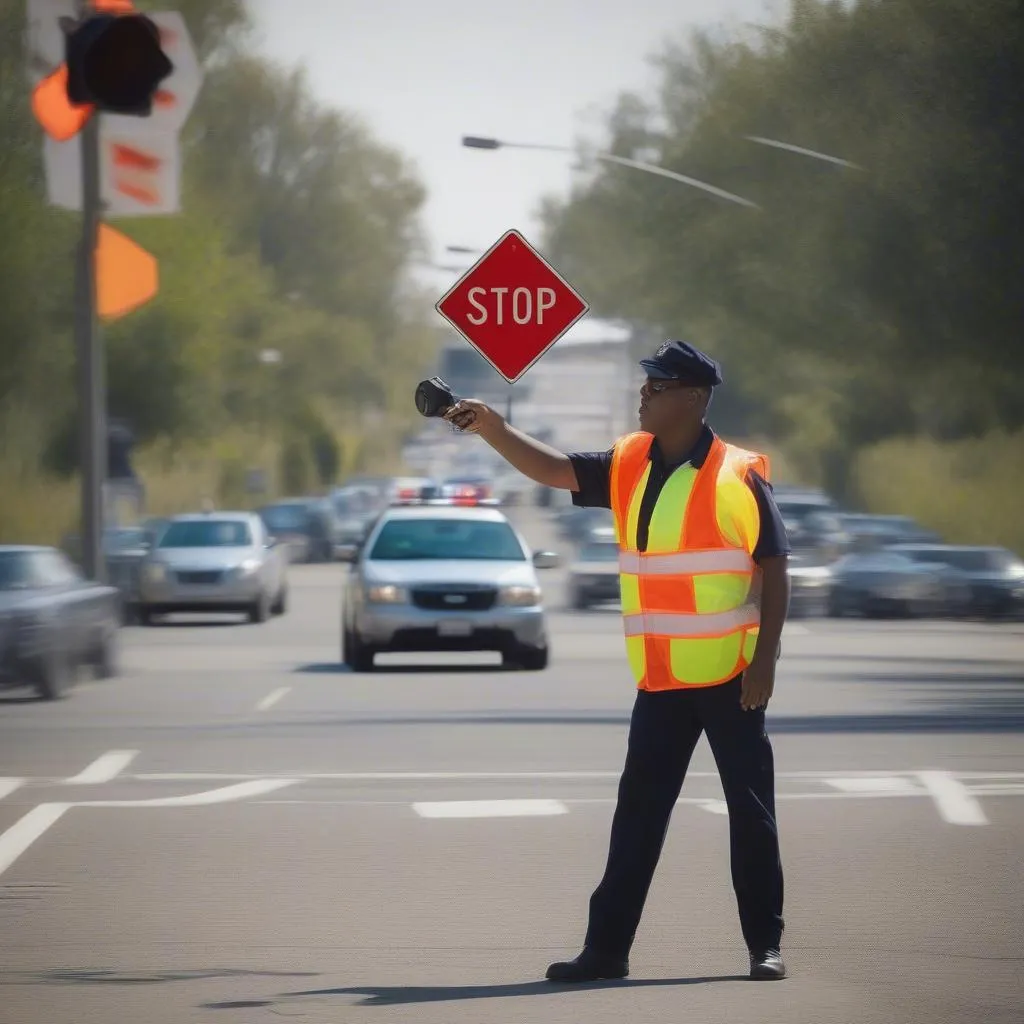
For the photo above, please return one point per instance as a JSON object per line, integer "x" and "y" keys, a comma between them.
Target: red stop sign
{"x": 512, "y": 306}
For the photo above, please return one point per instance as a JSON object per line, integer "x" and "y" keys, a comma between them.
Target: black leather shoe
{"x": 589, "y": 966}
{"x": 766, "y": 965}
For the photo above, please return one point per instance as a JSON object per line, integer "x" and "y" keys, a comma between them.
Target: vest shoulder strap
{"x": 744, "y": 461}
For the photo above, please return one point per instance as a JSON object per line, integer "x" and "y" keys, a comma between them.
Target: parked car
{"x": 992, "y": 577}
{"x": 881, "y": 583}
{"x": 445, "y": 578}
{"x": 217, "y": 562}
{"x": 594, "y": 574}
{"x": 53, "y": 622}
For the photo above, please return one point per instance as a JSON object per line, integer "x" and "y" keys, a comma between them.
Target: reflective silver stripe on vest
{"x": 671, "y": 624}
{"x": 685, "y": 563}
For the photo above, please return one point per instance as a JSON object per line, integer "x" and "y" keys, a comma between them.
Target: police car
{"x": 439, "y": 575}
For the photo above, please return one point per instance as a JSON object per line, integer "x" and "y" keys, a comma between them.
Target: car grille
{"x": 455, "y": 599}
{"x": 200, "y": 576}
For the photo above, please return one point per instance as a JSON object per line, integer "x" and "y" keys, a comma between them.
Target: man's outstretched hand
{"x": 472, "y": 416}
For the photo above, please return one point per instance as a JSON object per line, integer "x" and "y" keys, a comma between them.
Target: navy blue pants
{"x": 663, "y": 732}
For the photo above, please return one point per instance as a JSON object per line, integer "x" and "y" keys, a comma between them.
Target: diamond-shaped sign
{"x": 512, "y": 306}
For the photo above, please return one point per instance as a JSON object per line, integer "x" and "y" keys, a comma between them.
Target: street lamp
{"x": 463, "y": 250}
{"x": 484, "y": 142}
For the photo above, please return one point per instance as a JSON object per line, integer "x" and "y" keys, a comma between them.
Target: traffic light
{"x": 115, "y": 63}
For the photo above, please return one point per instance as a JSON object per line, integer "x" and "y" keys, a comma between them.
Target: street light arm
{"x": 815, "y": 154}
{"x": 639, "y": 165}
{"x": 480, "y": 142}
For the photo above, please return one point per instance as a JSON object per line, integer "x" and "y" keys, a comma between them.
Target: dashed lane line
{"x": 105, "y": 768}
{"x": 273, "y": 697}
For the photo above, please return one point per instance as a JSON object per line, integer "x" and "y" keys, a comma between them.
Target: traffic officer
{"x": 705, "y": 594}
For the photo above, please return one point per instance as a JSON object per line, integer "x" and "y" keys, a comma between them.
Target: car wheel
{"x": 532, "y": 659}
{"x": 54, "y": 675}
{"x": 145, "y": 616}
{"x": 105, "y": 660}
{"x": 260, "y": 611}
{"x": 281, "y": 604}
{"x": 579, "y": 602}
{"x": 357, "y": 655}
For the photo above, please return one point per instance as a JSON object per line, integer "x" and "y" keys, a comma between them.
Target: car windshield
{"x": 402, "y": 539}
{"x": 126, "y": 538}
{"x": 799, "y": 509}
{"x": 599, "y": 553}
{"x": 207, "y": 533}
{"x": 14, "y": 570}
{"x": 286, "y": 517}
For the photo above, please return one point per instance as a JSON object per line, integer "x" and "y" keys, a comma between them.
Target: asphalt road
{"x": 237, "y": 829}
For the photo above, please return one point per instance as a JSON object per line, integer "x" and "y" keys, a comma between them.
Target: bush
{"x": 968, "y": 491}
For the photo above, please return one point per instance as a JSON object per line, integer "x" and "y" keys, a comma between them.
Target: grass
{"x": 968, "y": 491}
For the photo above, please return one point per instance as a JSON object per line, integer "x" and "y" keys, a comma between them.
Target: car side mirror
{"x": 546, "y": 560}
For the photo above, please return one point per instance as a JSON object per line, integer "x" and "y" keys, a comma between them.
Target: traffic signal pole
{"x": 92, "y": 411}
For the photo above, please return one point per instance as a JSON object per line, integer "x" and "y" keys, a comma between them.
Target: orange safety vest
{"x": 686, "y": 601}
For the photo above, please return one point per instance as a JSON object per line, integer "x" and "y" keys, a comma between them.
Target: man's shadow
{"x": 397, "y": 995}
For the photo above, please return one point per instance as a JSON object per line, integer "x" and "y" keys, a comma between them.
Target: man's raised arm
{"x": 538, "y": 461}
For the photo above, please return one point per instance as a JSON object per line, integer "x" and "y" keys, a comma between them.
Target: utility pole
{"x": 92, "y": 398}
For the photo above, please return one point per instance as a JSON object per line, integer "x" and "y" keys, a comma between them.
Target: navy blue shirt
{"x": 594, "y": 476}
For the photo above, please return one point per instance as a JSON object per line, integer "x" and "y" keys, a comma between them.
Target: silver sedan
{"x": 216, "y": 562}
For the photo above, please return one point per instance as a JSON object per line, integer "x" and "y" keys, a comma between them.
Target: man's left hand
{"x": 758, "y": 684}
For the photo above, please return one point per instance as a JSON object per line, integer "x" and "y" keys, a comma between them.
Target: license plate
{"x": 454, "y": 628}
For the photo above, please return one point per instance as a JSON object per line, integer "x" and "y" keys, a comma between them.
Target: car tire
{"x": 579, "y": 602}
{"x": 105, "y": 660}
{"x": 355, "y": 654}
{"x": 145, "y": 616}
{"x": 54, "y": 675}
{"x": 260, "y": 610}
{"x": 530, "y": 659}
{"x": 280, "y": 606}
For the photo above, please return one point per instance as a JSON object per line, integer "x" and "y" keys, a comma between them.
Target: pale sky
{"x": 423, "y": 73}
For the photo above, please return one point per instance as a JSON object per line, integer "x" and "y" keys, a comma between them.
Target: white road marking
{"x": 8, "y": 786}
{"x": 955, "y": 802}
{"x": 490, "y": 808}
{"x": 400, "y": 776}
{"x": 105, "y": 768}
{"x": 225, "y": 794}
{"x": 24, "y": 832}
{"x": 870, "y": 786}
{"x": 714, "y": 806}
{"x": 273, "y": 697}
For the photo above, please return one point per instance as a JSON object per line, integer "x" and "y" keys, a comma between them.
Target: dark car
{"x": 801, "y": 510}
{"x": 993, "y": 577}
{"x": 883, "y": 583}
{"x": 53, "y": 621}
{"x": 308, "y": 526}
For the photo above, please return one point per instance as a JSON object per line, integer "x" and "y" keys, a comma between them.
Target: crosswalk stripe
{"x": 8, "y": 786}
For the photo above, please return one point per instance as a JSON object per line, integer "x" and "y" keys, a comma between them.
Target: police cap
{"x": 678, "y": 360}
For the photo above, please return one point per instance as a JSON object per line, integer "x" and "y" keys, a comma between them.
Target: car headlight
{"x": 154, "y": 572}
{"x": 520, "y": 597}
{"x": 248, "y": 567}
{"x": 386, "y": 593}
